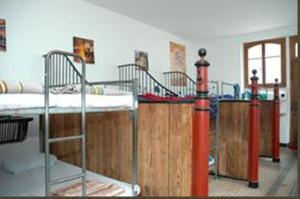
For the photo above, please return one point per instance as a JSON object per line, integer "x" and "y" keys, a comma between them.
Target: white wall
{"x": 226, "y": 58}
{"x": 36, "y": 26}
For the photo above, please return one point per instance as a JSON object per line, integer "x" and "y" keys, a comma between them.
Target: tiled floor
{"x": 275, "y": 179}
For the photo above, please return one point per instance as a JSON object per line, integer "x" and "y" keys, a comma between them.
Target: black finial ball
{"x": 254, "y": 72}
{"x": 276, "y": 80}
{"x": 202, "y": 52}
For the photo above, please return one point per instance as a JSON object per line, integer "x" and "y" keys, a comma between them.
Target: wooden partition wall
{"x": 164, "y": 143}
{"x": 233, "y": 136}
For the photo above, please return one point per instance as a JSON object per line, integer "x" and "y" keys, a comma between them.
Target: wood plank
{"x": 233, "y": 139}
{"x": 266, "y": 125}
{"x": 180, "y": 160}
{"x": 113, "y": 145}
{"x": 294, "y": 93}
{"x": 153, "y": 152}
{"x": 67, "y": 151}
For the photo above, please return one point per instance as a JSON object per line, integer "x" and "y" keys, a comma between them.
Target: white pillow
{"x": 26, "y": 163}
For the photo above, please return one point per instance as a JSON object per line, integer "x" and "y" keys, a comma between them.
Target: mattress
{"x": 34, "y": 103}
{"x": 32, "y": 183}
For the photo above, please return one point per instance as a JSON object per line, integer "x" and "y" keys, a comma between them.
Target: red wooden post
{"x": 276, "y": 124}
{"x": 201, "y": 131}
{"x": 254, "y": 129}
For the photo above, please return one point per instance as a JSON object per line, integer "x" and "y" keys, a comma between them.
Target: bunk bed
{"x": 60, "y": 72}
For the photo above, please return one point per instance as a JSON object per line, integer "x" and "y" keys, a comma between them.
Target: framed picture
{"x": 84, "y": 48}
{"x": 141, "y": 59}
{"x": 178, "y": 62}
{"x": 2, "y": 35}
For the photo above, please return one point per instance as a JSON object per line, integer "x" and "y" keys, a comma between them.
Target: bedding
{"x": 9, "y": 87}
{"x": 32, "y": 183}
{"x": 94, "y": 188}
{"x": 27, "y": 162}
{"x": 16, "y": 102}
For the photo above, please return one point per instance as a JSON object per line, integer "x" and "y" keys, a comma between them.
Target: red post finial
{"x": 202, "y": 82}
{"x": 200, "y": 153}
{"x": 276, "y": 124}
{"x": 254, "y": 128}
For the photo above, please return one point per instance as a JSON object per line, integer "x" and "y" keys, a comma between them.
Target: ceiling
{"x": 196, "y": 20}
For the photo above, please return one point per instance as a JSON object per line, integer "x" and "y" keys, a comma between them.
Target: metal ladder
{"x": 51, "y": 74}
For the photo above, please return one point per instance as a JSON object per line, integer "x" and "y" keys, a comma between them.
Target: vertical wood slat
{"x": 180, "y": 149}
{"x": 265, "y": 136}
{"x": 233, "y": 139}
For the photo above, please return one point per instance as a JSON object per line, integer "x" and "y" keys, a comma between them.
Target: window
{"x": 268, "y": 58}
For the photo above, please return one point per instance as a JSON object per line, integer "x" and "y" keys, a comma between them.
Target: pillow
{"x": 20, "y": 87}
{"x": 10, "y": 87}
{"x": 114, "y": 91}
{"x": 30, "y": 87}
{"x": 26, "y": 163}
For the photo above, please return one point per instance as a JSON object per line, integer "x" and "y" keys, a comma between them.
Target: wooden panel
{"x": 180, "y": 161}
{"x": 153, "y": 152}
{"x": 266, "y": 125}
{"x": 113, "y": 145}
{"x": 294, "y": 93}
{"x": 67, "y": 151}
{"x": 233, "y": 139}
{"x": 164, "y": 155}
{"x": 108, "y": 142}
{"x": 212, "y": 135}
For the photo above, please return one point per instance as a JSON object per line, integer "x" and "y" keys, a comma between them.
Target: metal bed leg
{"x": 134, "y": 121}
{"x": 47, "y": 169}
{"x": 134, "y": 152}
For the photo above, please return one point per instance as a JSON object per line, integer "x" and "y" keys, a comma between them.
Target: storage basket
{"x": 13, "y": 129}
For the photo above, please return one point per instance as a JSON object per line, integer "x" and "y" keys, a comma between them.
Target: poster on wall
{"x": 2, "y": 35}
{"x": 84, "y": 48}
{"x": 141, "y": 59}
{"x": 178, "y": 62}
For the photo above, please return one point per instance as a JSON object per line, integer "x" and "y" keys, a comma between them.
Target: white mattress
{"x": 32, "y": 183}
{"x": 15, "y": 102}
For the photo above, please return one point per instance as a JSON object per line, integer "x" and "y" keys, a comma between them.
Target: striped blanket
{"x": 94, "y": 189}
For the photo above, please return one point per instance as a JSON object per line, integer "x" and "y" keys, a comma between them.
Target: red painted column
{"x": 254, "y": 128}
{"x": 276, "y": 124}
{"x": 201, "y": 131}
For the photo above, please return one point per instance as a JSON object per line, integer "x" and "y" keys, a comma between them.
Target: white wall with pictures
{"x": 36, "y": 26}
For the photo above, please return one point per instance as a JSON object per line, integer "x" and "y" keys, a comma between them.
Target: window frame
{"x": 248, "y": 45}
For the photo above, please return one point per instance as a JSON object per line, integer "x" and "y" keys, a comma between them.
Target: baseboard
{"x": 283, "y": 145}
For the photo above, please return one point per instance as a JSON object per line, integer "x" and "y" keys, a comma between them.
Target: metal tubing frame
{"x": 50, "y": 84}
{"x": 191, "y": 84}
{"x": 225, "y": 84}
{"x": 134, "y": 121}
{"x": 143, "y": 77}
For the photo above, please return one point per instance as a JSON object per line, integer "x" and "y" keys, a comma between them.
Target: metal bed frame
{"x": 60, "y": 71}
{"x": 223, "y": 84}
{"x": 146, "y": 82}
{"x": 185, "y": 84}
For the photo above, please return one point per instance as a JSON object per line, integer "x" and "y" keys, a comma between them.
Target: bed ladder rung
{"x": 66, "y": 179}
{"x": 65, "y": 139}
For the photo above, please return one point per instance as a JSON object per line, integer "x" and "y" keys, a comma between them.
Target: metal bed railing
{"x": 183, "y": 85}
{"x": 225, "y": 85}
{"x": 146, "y": 82}
{"x": 60, "y": 71}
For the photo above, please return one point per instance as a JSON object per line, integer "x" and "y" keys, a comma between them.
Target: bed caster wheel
{"x": 253, "y": 185}
{"x": 276, "y": 160}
